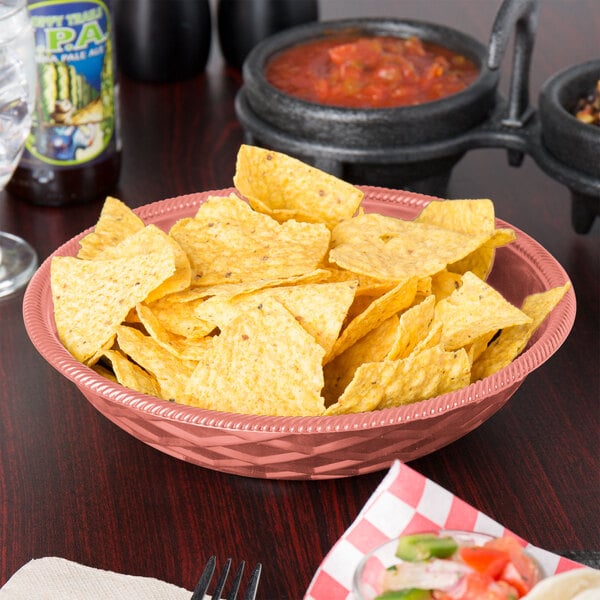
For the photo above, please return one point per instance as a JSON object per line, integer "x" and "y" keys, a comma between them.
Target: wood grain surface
{"x": 73, "y": 484}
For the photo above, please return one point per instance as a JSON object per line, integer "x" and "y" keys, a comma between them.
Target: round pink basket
{"x": 312, "y": 447}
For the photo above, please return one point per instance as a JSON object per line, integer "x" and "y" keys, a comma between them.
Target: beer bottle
{"x": 73, "y": 152}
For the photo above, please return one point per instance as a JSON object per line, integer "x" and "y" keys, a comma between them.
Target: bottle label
{"x": 74, "y": 121}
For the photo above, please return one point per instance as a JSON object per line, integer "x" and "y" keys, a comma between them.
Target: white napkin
{"x": 53, "y": 578}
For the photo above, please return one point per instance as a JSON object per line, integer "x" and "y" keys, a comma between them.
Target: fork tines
{"x": 253, "y": 584}
{"x": 207, "y": 575}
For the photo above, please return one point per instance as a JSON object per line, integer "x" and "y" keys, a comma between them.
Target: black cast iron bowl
{"x": 571, "y": 141}
{"x": 364, "y": 128}
{"x": 365, "y": 144}
{"x": 573, "y": 144}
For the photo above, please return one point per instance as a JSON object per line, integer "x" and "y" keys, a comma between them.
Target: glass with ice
{"x": 17, "y": 96}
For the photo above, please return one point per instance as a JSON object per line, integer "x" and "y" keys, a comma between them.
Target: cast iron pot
{"x": 412, "y": 147}
{"x": 574, "y": 144}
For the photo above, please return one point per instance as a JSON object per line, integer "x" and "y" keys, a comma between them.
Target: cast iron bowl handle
{"x": 522, "y": 17}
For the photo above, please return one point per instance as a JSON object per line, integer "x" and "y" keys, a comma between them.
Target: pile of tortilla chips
{"x": 288, "y": 299}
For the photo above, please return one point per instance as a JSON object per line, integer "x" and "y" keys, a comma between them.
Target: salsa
{"x": 438, "y": 567}
{"x": 370, "y": 72}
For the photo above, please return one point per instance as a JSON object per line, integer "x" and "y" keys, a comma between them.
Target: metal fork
{"x": 206, "y": 577}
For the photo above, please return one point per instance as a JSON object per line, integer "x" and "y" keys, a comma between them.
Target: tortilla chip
{"x": 117, "y": 222}
{"x": 104, "y": 372}
{"x": 390, "y": 383}
{"x": 131, "y": 375}
{"x": 286, "y": 188}
{"x": 481, "y": 260}
{"x": 252, "y": 285}
{"x": 91, "y": 298}
{"x": 445, "y": 283}
{"x": 262, "y": 363}
{"x": 376, "y": 313}
{"x": 181, "y": 347}
{"x": 424, "y": 287}
{"x": 390, "y": 248}
{"x": 433, "y": 338}
{"x": 228, "y": 242}
{"x": 373, "y": 347}
{"x": 367, "y": 286}
{"x": 153, "y": 239}
{"x": 179, "y": 317}
{"x": 366, "y": 389}
{"x": 478, "y": 346}
{"x": 92, "y": 360}
{"x": 320, "y": 308}
{"x": 469, "y": 216}
{"x": 413, "y": 326}
{"x": 425, "y": 375}
{"x": 513, "y": 340}
{"x": 171, "y": 373}
{"x": 473, "y": 310}
{"x": 464, "y": 216}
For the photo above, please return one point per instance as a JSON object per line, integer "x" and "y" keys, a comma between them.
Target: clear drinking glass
{"x": 18, "y": 260}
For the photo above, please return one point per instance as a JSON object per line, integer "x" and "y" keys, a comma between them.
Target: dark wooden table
{"x": 73, "y": 484}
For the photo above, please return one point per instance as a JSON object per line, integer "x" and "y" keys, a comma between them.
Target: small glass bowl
{"x": 366, "y": 583}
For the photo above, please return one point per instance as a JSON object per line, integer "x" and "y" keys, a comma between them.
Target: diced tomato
{"x": 322, "y": 88}
{"x": 512, "y": 576}
{"x": 342, "y": 53}
{"x": 366, "y": 51}
{"x": 389, "y": 72}
{"x": 374, "y": 92}
{"x": 434, "y": 71}
{"x": 351, "y": 72}
{"x": 510, "y": 593}
{"x": 490, "y": 561}
{"x": 524, "y": 573}
{"x": 415, "y": 46}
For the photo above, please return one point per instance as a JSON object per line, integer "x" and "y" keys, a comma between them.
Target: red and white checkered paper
{"x": 407, "y": 502}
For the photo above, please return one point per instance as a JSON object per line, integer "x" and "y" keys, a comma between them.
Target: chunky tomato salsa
{"x": 369, "y": 72}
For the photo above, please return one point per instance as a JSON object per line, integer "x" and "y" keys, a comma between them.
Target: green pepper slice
{"x": 423, "y": 546}
{"x": 406, "y": 594}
